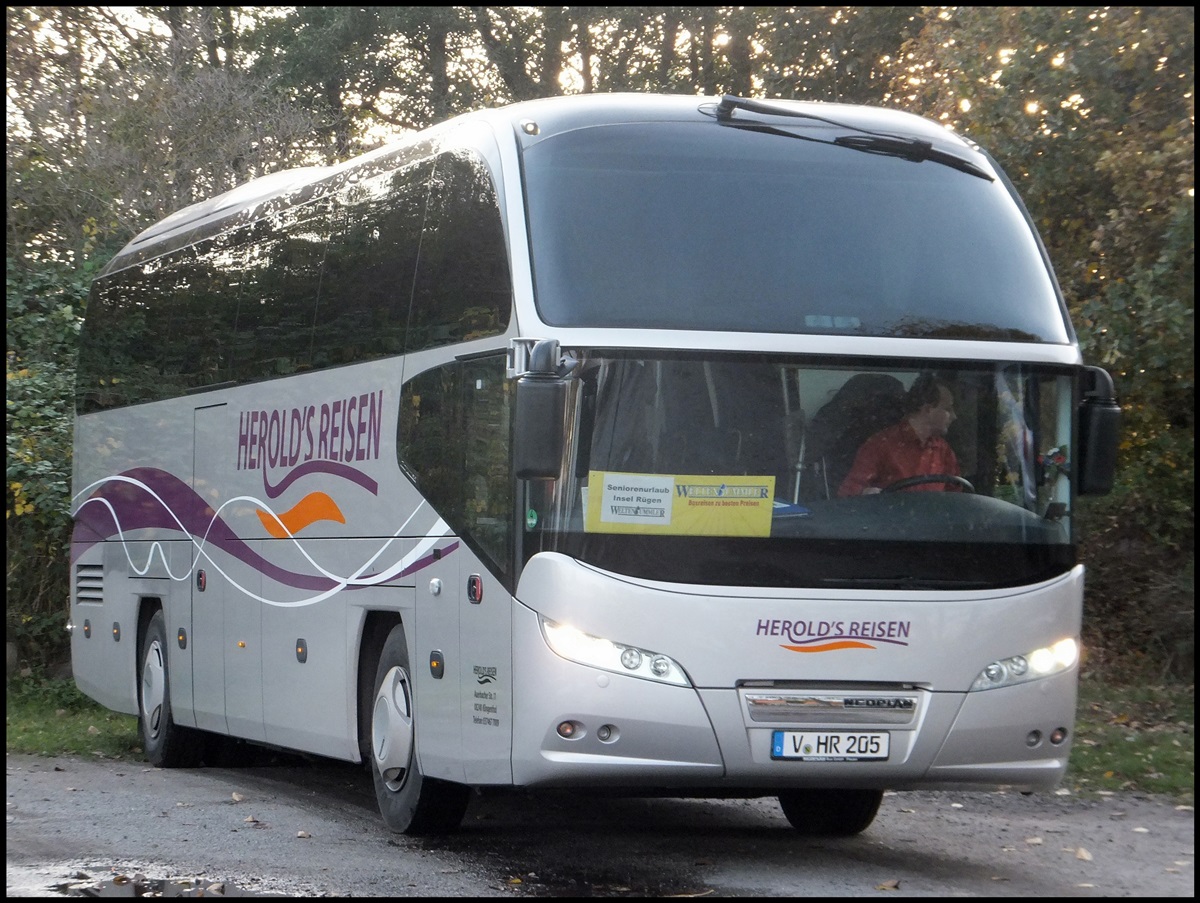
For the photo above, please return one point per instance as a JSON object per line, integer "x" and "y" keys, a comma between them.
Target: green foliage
{"x": 43, "y": 327}
{"x": 1142, "y": 617}
{"x": 1090, "y": 111}
{"x": 40, "y": 636}
{"x": 1142, "y": 327}
{"x": 1138, "y": 736}
{"x": 52, "y": 718}
{"x": 36, "y": 692}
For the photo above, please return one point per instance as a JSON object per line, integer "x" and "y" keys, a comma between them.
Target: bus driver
{"x": 916, "y": 446}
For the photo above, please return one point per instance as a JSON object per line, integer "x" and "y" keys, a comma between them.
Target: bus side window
{"x": 463, "y": 290}
{"x": 454, "y": 442}
{"x": 117, "y": 366}
{"x": 366, "y": 284}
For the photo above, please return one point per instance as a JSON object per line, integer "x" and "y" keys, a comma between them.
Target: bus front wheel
{"x": 830, "y": 813}
{"x": 409, "y": 802}
{"x": 166, "y": 744}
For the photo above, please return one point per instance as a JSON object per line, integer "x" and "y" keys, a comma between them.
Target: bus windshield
{"x": 695, "y": 226}
{"x": 759, "y": 471}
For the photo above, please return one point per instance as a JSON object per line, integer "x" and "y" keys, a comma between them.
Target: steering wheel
{"x": 921, "y": 479}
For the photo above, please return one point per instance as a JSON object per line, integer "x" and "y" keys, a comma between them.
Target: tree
{"x": 113, "y": 122}
{"x": 1091, "y": 111}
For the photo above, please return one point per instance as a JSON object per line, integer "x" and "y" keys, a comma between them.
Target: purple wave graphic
{"x": 420, "y": 563}
{"x": 807, "y": 641}
{"x": 177, "y": 503}
{"x": 334, "y": 468}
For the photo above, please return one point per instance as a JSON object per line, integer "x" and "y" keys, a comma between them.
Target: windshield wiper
{"x": 914, "y": 149}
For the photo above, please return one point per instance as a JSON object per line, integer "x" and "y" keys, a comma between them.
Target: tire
{"x": 830, "y": 813}
{"x": 409, "y": 802}
{"x": 166, "y": 744}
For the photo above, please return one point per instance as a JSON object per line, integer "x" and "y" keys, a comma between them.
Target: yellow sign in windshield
{"x": 679, "y": 504}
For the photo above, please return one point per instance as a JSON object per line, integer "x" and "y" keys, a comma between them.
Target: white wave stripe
{"x": 439, "y": 530}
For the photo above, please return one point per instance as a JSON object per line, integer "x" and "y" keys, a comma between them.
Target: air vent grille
{"x": 89, "y": 583}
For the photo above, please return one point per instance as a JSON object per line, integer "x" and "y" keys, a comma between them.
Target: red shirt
{"x": 895, "y": 453}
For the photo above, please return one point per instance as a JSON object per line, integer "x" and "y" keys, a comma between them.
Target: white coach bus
{"x": 515, "y": 454}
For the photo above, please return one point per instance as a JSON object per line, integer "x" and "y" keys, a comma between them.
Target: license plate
{"x": 827, "y": 746}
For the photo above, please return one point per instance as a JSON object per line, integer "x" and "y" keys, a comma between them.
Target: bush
{"x": 43, "y": 329}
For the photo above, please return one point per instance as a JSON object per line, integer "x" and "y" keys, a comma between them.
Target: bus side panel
{"x": 227, "y": 591}
{"x": 242, "y": 660}
{"x": 175, "y": 594}
{"x": 107, "y": 600}
{"x": 310, "y": 671}
{"x": 122, "y": 541}
{"x": 487, "y": 705}
{"x": 207, "y": 645}
{"x": 436, "y": 664}
{"x": 305, "y": 678}
{"x": 102, "y": 601}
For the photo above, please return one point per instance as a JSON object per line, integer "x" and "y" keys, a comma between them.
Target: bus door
{"x": 436, "y": 664}
{"x": 226, "y": 590}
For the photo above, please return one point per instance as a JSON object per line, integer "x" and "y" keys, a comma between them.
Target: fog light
{"x": 604, "y": 732}
{"x": 1034, "y": 738}
{"x": 1058, "y": 735}
{"x": 567, "y": 729}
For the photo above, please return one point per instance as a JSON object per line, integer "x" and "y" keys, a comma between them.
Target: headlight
{"x": 620, "y": 658}
{"x": 1021, "y": 668}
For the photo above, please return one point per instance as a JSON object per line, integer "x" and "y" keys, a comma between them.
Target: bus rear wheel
{"x": 166, "y": 744}
{"x": 830, "y": 813}
{"x": 410, "y": 802}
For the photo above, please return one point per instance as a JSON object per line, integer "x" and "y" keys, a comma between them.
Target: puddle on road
{"x": 138, "y": 885}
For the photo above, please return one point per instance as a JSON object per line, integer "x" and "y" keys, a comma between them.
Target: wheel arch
{"x": 146, "y": 607}
{"x": 376, "y": 627}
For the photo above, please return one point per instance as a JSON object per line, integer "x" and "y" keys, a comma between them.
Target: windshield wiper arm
{"x": 914, "y": 149}
{"x": 729, "y": 103}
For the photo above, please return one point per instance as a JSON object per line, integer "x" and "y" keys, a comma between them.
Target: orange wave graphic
{"x": 830, "y": 647}
{"x": 313, "y": 507}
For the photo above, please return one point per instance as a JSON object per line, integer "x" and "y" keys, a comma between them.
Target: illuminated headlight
{"x": 586, "y": 649}
{"x": 1021, "y": 668}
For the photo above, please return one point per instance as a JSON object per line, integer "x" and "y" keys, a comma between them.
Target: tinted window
{"x": 370, "y": 266}
{"x": 314, "y": 285}
{"x": 463, "y": 288}
{"x": 278, "y": 270}
{"x": 326, "y": 282}
{"x": 117, "y": 366}
{"x": 735, "y": 469}
{"x": 702, "y": 227}
{"x": 454, "y": 438}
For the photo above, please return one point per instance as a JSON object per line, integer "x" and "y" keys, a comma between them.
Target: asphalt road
{"x": 303, "y": 828}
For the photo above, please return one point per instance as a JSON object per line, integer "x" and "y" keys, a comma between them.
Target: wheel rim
{"x": 154, "y": 686}
{"x": 392, "y": 728}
